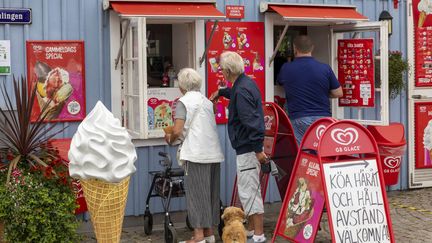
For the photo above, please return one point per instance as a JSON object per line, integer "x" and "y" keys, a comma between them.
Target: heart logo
{"x": 319, "y": 131}
{"x": 344, "y": 137}
{"x": 392, "y": 162}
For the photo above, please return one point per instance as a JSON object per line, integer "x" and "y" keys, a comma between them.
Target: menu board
{"x": 423, "y": 42}
{"x": 303, "y": 204}
{"x": 245, "y": 38}
{"x": 356, "y": 72}
{"x": 161, "y": 105}
{"x": 423, "y": 135}
{"x": 57, "y": 70}
{"x": 355, "y": 202}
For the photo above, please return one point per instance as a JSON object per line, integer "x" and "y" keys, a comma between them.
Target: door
{"x": 355, "y": 51}
{"x": 419, "y": 97}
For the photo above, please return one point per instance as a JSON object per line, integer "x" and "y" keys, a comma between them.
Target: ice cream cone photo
{"x": 104, "y": 167}
{"x": 424, "y": 8}
{"x": 53, "y": 92}
{"x": 421, "y": 19}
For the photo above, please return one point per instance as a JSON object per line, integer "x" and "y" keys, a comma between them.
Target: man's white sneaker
{"x": 210, "y": 239}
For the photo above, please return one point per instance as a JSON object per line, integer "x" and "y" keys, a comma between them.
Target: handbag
{"x": 182, "y": 162}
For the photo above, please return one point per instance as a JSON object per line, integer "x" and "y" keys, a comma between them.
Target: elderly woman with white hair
{"x": 195, "y": 124}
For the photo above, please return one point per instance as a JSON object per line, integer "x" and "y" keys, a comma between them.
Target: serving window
{"x": 148, "y": 48}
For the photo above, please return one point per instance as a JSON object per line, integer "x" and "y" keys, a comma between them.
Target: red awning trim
{"x": 168, "y": 9}
{"x": 321, "y": 13}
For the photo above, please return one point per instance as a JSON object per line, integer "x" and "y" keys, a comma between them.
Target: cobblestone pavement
{"x": 411, "y": 214}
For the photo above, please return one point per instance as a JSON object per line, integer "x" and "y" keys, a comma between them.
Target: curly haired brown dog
{"x": 234, "y": 230}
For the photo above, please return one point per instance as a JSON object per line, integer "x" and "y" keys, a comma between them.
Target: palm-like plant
{"x": 23, "y": 140}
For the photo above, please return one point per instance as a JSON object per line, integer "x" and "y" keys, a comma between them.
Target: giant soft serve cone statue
{"x": 102, "y": 157}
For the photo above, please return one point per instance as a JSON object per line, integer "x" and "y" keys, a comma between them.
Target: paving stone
{"x": 409, "y": 224}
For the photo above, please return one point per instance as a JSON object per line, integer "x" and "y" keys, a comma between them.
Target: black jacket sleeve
{"x": 225, "y": 92}
{"x": 251, "y": 117}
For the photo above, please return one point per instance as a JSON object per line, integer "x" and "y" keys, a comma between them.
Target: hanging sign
{"x": 423, "y": 135}
{"x": 5, "y": 60}
{"x": 245, "y": 38}
{"x": 422, "y": 42}
{"x": 356, "y": 72}
{"x": 57, "y": 69}
{"x": 234, "y": 11}
{"x": 15, "y": 16}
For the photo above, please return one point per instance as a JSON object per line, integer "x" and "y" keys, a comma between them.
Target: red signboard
{"x": 300, "y": 215}
{"x": 57, "y": 69}
{"x": 234, "y": 11}
{"x": 245, "y": 38}
{"x": 423, "y": 42}
{"x": 344, "y": 172}
{"x": 423, "y": 135}
{"x": 356, "y": 72}
{"x": 354, "y": 187}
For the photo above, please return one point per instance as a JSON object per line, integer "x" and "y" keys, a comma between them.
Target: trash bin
{"x": 391, "y": 145}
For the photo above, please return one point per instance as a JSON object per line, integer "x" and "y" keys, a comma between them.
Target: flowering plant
{"x": 37, "y": 202}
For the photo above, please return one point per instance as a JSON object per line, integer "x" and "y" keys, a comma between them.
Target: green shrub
{"x": 36, "y": 209}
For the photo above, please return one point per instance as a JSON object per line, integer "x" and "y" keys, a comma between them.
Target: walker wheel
{"x": 188, "y": 224}
{"x": 170, "y": 234}
{"x": 148, "y": 224}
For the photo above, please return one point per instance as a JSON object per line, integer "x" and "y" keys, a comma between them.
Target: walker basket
{"x": 162, "y": 187}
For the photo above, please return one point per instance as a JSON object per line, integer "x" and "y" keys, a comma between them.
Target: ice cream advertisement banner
{"x": 245, "y": 38}
{"x": 356, "y": 72}
{"x": 423, "y": 135}
{"x": 303, "y": 204}
{"x": 422, "y": 11}
{"x": 57, "y": 70}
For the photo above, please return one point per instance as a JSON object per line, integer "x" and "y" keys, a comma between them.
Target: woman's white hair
{"x": 232, "y": 62}
{"x": 189, "y": 80}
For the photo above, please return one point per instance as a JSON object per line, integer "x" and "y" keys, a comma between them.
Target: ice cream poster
{"x": 423, "y": 135}
{"x": 57, "y": 70}
{"x": 422, "y": 14}
{"x": 245, "y": 38}
{"x": 303, "y": 204}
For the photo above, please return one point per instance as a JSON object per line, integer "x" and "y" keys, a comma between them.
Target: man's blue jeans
{"x": 300, "y": 125}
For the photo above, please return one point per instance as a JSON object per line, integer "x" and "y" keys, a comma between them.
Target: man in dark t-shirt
{"x": 308, "y": 86}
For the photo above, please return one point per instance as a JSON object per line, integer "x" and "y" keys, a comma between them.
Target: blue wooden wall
{"x": 85, "y": 20}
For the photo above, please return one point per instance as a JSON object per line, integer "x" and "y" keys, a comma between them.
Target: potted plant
{"x": 37, "y": 201}
{"x": 397, "y": 67}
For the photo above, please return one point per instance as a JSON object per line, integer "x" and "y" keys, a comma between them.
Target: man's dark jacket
{"x": 246, "y": 116}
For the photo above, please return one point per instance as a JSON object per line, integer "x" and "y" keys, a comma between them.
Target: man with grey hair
{"x": 246, "y": 132}
{"x": 308, "y": 86}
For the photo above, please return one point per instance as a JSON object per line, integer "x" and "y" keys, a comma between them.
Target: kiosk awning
{"x": 315, "y": 13}
{"x": 174, "y": 9}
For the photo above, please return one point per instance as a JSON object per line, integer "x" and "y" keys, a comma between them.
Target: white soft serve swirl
{"x": 101, "y": 148}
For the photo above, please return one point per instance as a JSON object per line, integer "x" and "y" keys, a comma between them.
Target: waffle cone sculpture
{"x": 106, "y": 203}
{"x": 102, "y": 157}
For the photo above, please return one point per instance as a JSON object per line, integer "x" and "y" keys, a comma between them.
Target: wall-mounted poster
{"x": 245, "y": 38}
{"x": 422, "y": 11}
{"x": 423, "y": 135}
{"x": 58, "y": 71}
{"x": 356, "y": 72}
